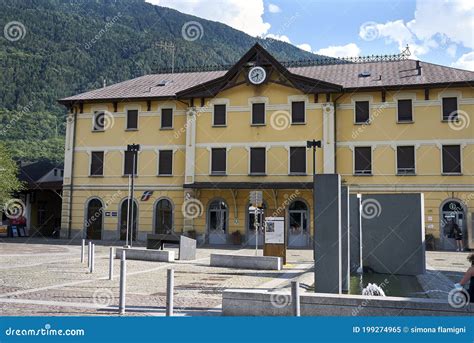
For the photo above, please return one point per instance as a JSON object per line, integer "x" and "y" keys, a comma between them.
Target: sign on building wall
{"x": 274, "y": 230}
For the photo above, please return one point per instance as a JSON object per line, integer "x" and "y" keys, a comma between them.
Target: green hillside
{"x": 70, "y": 47}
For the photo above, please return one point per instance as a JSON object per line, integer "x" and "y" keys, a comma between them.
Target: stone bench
{"x": 145, "y": 254}
{"x": 246, "y": 262}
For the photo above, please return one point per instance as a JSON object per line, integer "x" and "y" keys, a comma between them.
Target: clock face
{"x": 257, "y": 75}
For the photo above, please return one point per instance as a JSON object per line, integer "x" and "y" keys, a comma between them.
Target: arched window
{"x": 164, "y": 216}
{"x": 124, "y": 216}
{"x": 94, "y": 218}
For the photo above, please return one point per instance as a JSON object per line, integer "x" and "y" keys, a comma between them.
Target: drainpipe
{"x": 72, "y": 177}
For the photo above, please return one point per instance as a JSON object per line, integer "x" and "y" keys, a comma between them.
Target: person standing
{"x": 458, "y": 237}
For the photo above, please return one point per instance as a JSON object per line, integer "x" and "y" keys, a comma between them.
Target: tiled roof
{"x": 382, "y": 74}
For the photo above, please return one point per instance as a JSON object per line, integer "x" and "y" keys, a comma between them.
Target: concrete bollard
{"x": 92, "y": 259}
{"x": 89, "y": 254}
{"x": 83, "y": 243}
{"x": 295, "y": 298}
{"x": 123, "y": 275}
{"x": 111, "y": 263}
{"x": 169, "y": 293}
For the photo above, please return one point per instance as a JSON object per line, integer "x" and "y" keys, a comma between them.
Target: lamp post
{"x": 314, "y": 144}
{"x": 134, "y": 149}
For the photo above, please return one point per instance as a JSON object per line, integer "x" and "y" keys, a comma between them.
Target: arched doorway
{"x": 163, "y": 216}
{"x": 251, "y": 225}
{"x": 94, "y": 219}
{"x": 217, "y": 222}
{"x": 451, "y": 211}
{"x": 298, "y": 225}
{"x": 123, "y": 219}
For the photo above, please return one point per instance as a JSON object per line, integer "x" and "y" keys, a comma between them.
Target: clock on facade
{"x": 257, "y": 75}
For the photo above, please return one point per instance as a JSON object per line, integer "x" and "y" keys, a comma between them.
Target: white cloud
{"x": 305, "y": 47}
{"x": 282, "y": 38}
{"x": 435, "y": 24}
{"x": 272, "y": 8}
{"x": 348, "y": 50}
{"x": 466, "y": 61}
{"x": 246, "y": 16}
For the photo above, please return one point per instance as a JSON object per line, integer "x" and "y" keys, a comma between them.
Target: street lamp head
{"x": 133, "y": 147}
{"x": 313, "y": 144}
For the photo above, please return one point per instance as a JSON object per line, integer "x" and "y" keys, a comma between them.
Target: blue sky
{"x": 438, "y": 31}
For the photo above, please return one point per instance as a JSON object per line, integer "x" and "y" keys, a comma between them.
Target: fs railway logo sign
{"x": 146, "y": 195}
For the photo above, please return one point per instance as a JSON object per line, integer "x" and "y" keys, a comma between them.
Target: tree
{"x": 9, "y": 183}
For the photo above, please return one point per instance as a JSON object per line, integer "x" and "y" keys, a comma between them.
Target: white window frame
{"x": 220, "y": 101}
{"x": 258, "y": 100}
{"x": 415, "y": 147}
{"x": 305, "y": 161}
{"x": 298, "y": 98}
{"x": 249, "y": 149}
{"x": 371, "y": 160}
{"x": 132, "y": 107}
{"x": 448, "y": 94}
{"x": 123, "y": 163}
{"x": 173, "y": 113}
{"x": 405, "y": 96}
{"x": 356, "y": 98}
{"x": 461, "y": 146}
{"x": 90, "y": 163}
{"x": 158, "y": 163}
{"x": 210, "y": 161}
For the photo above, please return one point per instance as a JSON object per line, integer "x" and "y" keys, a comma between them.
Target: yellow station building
{"x": 208, "y": 138}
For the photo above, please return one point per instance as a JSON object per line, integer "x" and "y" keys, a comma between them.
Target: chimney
{"x": 418, "y": 67}
{"x": 104, "y": 82}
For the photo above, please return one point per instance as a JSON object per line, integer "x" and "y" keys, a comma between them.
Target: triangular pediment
{"x": 275, "y": 72}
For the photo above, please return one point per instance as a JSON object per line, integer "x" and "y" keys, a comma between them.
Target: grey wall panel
{"x": 345, "y": 238}
{"x": 354, "y": 232}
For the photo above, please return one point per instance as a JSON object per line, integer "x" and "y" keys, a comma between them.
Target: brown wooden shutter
{"x": 165, "y": 163}
{"x": 257, "y": 160}
{"x": 451, "y": 159}
{"x": 363, "y": 160}
{"x": 97, "y": 163}
{"x": 297, "y": 112}
{"x": 298, "y": 160}
{"x": 218, "y": 163}
{"x": 258, "y": 113}
{"x": 450, "y": 107}
{"x": 362, "y": 112}
{"x": 166, "y": 118}
{"x": 405, "y": 110}
{"x": 405, "y": 160}
{"x": 219, "y": 115}
{"x": 132, "y": 119}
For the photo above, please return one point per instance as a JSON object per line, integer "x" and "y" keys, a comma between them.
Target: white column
{"x": 328, "y": 138}
{"x": 191, "y": 117}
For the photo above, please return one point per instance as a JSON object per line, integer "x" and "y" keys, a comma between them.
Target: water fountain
{"x": 373, "y": 289}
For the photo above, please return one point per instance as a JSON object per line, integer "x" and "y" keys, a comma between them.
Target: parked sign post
{"x": 256, "y": 200}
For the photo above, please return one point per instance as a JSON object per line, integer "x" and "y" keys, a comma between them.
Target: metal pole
{"x": 128, "y": 208}
{"x": 314, "y": 203}
{"x": 132, "y": 203}
{"x": 295, "y": 298}
{"x": 169, "y": 292}
{"x": 111, "y": 263}
{"x": 83, "y": 243}
{"x": 123, "y": 276}
{"x": 89, "y": 253}
{"x": 92, "y": 259}
{"x": 256, "y": 229}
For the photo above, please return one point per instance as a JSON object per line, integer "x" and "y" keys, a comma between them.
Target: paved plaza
{"x": 46, "y": 278}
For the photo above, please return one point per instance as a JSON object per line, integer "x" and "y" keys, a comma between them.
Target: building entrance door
{"x": 218, "y": 222}
{"x": 452, "y": 212}
{"x": 298, "y": 230}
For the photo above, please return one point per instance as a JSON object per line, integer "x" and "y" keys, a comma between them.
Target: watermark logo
{"x": 14, "y": 31}
{"x": 459, "y": 120}
{"x": 371, "y": 208}
{"x": 104, "y": 120}
{"x": 14, "y": 208}
{"x": 192, "y": 30}
{"x": 458, "y": 298}
{"x": 368, "y": 31}
{"x": 192, "y": 208}
{"x": 280, "y": 120}
{"x": 279, "y": 300}
{"x": 103, "y": 297}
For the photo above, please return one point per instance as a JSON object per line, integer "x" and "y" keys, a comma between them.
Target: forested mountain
{"x": 68, "y": 47}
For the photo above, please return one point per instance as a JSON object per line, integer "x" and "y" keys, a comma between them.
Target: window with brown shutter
{"x": 257, "y": 160}
{"x": 450, "y": 108}
{"x": 218, "y": 161}
{"x": 99, "y": 119}
{"x": 128, "y": 163}
{"x": 362, "y": 112}
{"x": 363, "y": 160}
{"x": 97, "y": 163}
{"x": 132, "y": 119}
{"x": 297, "y": 112}
{"x": 451, "y": 159}
{"x": 405, "y": 160}
{"x": 258, "y": 114}
{"x": 165, "y": 162}
{"x": 219, "y": 115}
{"x": 298, "y": 160}
{"x": 166, "y": 118}
{"x": 405, "y": 110}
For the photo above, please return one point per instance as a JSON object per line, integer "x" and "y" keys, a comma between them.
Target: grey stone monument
{"x": 327, "y": 238}
{"x": 187, "y": 248}
{"x": 393, "y": 233}
{"x": 355, "y": 247}
{"x": 345, "y": 238}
